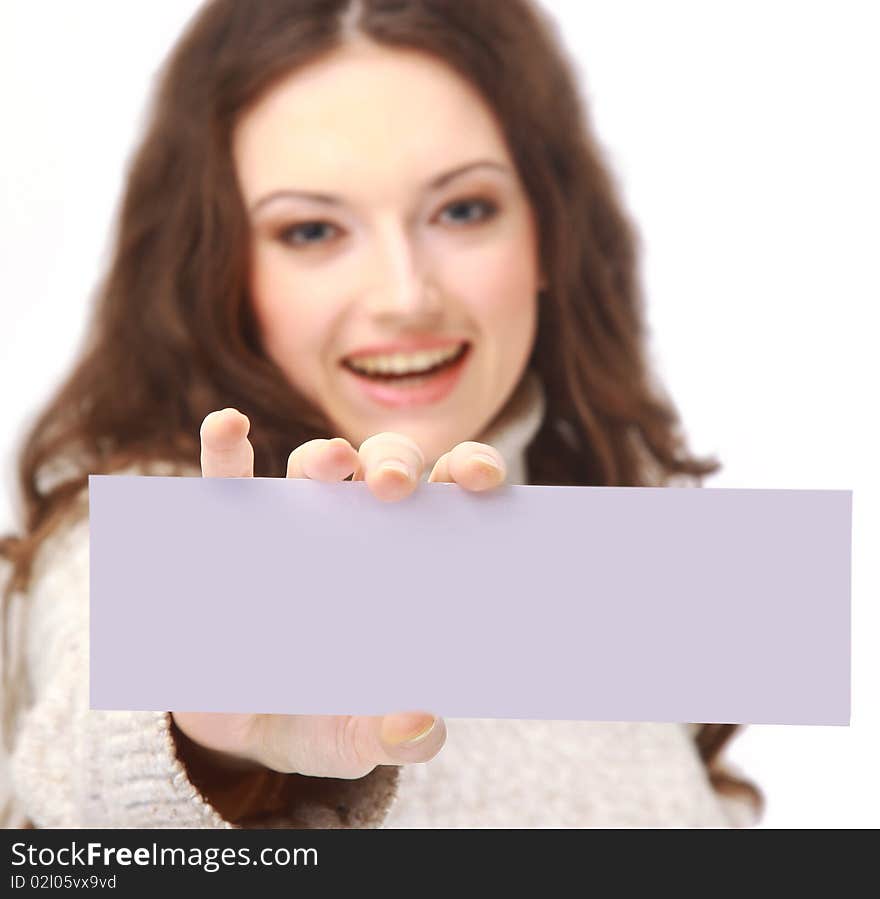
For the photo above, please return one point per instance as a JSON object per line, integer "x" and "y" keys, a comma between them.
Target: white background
{"x": 744, "y": 136}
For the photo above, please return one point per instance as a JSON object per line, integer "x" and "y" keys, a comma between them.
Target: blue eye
{"x": 489, "y": 209}
{"x": 310, "y": 234}
{"x": 307, "y": 229}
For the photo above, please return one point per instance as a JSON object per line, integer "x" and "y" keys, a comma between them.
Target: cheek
{"x": 293, "y": 330}
{"x": 501, "y": 286}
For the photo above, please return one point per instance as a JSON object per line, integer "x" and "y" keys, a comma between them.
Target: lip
{"x": 392, "y": 397}
{"x": 406, "y": 345}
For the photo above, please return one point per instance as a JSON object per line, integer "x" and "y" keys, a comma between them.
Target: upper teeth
{"x": 403, "y": 363}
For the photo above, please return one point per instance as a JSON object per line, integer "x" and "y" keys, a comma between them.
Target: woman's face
{"x": 390, "y": 231}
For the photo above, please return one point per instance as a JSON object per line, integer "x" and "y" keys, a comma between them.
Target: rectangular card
{"x": 292, "y": 596}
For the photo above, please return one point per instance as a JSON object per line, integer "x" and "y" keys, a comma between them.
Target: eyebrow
{"x": 333, "y": 200}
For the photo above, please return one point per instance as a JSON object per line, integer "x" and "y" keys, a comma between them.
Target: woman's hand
{"x": 346, "y": 746}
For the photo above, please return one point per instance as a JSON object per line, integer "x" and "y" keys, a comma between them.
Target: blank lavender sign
{"x": 292, "y": 596}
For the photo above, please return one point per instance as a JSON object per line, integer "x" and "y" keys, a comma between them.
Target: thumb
{"x": 348, "y": 746}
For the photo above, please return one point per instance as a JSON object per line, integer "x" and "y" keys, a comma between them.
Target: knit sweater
{"x": 70, "y": 766}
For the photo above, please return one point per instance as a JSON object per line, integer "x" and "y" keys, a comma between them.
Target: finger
{"x": 360, "y": 472}
{"x": 348, "y": 746}
{"x": 475, "y": 466}
{"x": 440, "y": 471}
{"x": 226, "y": 451}
{"x": 323, "y": 460}
{"x": 393, "y": 465}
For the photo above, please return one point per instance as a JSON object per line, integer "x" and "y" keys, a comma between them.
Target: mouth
{"x": 408, "y": 379}
{"x": 406, "y": 368}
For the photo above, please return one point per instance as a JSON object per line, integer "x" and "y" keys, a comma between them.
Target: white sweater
{"x": 74, "y": 767}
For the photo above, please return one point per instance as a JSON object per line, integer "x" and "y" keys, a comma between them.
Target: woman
{"x": 291, "y": 244}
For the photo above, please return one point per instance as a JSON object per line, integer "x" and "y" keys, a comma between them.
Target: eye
{"x": 303, "y": 235}
{"x": 312, "y": 233}
{"x": 471, "y": 203}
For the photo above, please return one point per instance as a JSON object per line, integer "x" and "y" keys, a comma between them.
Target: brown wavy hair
{"x": 173, "y": 335}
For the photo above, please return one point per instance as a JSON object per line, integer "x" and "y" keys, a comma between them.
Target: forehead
{"x": 364, "y": 118}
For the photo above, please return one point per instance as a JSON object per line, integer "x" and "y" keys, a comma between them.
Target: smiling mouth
{"x": 385, "y": 370}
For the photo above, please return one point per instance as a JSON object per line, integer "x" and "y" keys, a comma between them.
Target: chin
{"x": 432, "y": 444}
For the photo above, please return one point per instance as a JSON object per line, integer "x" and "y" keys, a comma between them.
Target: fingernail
{"x": 487, "y": 460}
{"x": 408, "y": 729}
{"x": 397, "y": 467}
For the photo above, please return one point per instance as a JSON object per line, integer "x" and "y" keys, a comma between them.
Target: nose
{"x": 401, "y": 291}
